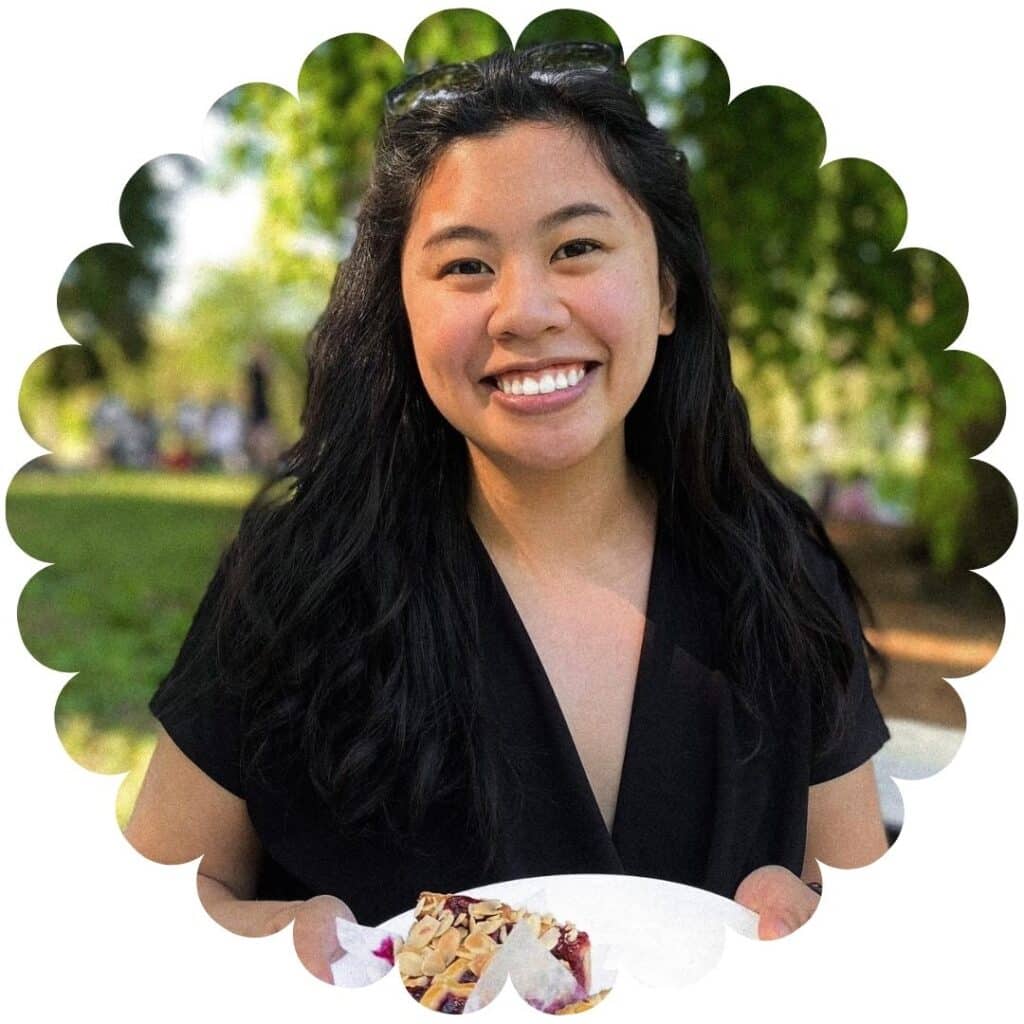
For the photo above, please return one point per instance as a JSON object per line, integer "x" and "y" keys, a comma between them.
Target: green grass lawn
{"x": 132, "y": 554}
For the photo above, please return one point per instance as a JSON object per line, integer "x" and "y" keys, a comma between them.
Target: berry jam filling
{"x": 572, "y": 954}
{"x": 460, "y": 904}
{"x": 386, "y": 950}
{"x": 452, "y": 1004}
{"x": 560, "y": 1004}
{"x": 417, "y": 993}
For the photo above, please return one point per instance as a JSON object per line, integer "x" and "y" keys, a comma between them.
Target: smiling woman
{"x": 500, "y": 291}
{"x": 533, "y": 604}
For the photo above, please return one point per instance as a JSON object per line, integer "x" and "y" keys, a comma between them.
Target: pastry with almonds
{"x": 455, "y": 937}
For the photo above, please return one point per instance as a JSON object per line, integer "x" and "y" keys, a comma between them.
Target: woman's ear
{"x": 667, "y": 319}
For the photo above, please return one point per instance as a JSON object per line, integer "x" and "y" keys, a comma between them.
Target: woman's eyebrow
{"x": 550, "y": 220}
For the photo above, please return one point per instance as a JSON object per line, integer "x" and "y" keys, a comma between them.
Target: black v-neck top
{"x": 693, "y": 806}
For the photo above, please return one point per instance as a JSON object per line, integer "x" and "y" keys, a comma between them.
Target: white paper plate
{"x": 662, "y": 933}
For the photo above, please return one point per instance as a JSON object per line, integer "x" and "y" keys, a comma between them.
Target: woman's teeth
{"x": 556, "y": 378}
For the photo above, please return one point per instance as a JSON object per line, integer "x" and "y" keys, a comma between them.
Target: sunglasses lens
{"x": 559, "y": 57}
{"x": 441, "y": 82}
{"x": 546, "y": 63}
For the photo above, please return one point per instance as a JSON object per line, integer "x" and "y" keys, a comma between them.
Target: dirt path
{"x": 930, "y": 628}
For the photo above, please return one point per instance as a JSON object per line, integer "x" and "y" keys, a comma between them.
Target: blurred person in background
{"x": 225, "y": 435}
{"x": 262, "y": 443}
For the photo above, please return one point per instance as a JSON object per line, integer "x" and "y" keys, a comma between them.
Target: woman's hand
{"x": 781, "y": 899}
{"x": 316, "y": 936}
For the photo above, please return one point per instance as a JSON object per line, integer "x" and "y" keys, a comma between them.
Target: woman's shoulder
{"x": 191, "y": 702}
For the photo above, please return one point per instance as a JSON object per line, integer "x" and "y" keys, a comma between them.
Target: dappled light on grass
{"x": 196, "y": 489}
{"x": 131, "y": 553}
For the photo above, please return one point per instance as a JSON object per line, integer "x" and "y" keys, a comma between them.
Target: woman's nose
{"x": 526, "y": 303}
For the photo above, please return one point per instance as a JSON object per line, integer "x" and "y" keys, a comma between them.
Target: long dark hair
{"x": 344, "y": 618}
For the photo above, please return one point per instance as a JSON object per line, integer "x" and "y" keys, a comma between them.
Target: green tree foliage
{"x": 451, "y": 36}
{"x": 312, "y": 153}
{"x": 838, "y": 337}
{"x": 107, "y": 292}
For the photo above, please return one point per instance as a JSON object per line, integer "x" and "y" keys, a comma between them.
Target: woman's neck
{"x": 565, "y": 517}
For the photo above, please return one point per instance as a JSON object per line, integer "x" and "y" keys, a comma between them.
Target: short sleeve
{"x": 192, "y": 704}
{"x": 864, "y": 731}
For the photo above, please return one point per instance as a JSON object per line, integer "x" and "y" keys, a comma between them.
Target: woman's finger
{"x": 315, "y": 935}
{"x": 781, "y": 900}
{"x": 777, "y": 924}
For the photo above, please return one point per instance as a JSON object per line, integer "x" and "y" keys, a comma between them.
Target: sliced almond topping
{"x": 445, "y": 919}
{"x": 459, "y": 965}
{"x": 479, "y": 942}
{"x": 485, "y": 908}
{"x": 416, "y": 982}
{"x": 423, "y": 931}
{"x": 489, "y": 925}
{"x": 430, "y": 903}
{"x": 549, "y": 938}
{"x": 410, "y": 962}
{"x": 448, "y": 943}
{"x": 433, "y": 963}
{"x": 571, "y": 935}
{"x": 461, "y": 919}
{"x": 479, "y": 963}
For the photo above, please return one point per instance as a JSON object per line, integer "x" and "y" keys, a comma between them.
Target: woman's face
{"x": 527, "y": 266}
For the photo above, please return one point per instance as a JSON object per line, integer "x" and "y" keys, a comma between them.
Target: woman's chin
{"x": 548, "y": 459}
{"x": 551, "y": 453}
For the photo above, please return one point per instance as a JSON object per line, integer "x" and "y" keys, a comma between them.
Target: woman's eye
{"x": 473, "y": 268}
{"x": 578, "y": 247}
{"x": 459, "y": 271}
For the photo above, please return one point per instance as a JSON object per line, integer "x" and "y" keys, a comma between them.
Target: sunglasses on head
{"x": 546, "y": 63}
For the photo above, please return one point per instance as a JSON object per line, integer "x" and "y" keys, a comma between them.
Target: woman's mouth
{"x": 562, "y": 377}
{"x": 542, "y": 391}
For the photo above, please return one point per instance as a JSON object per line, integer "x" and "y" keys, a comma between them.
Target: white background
{"x": 94, "y": 90}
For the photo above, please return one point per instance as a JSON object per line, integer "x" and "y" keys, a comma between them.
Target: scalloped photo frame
{"x": 796, "y": 304}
